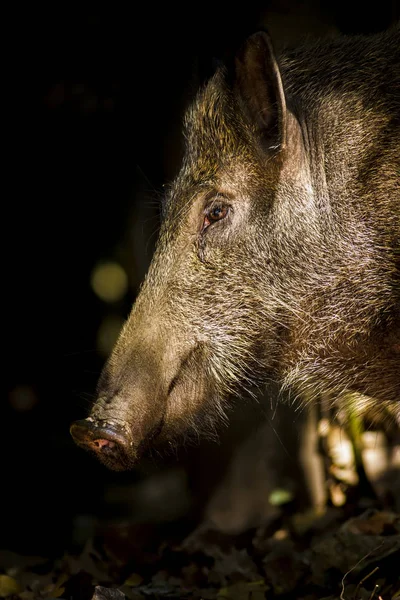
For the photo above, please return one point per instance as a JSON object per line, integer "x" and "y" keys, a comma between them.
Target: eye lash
{"x": 213, "y": 198}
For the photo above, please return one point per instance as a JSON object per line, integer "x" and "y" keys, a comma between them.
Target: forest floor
{"x": 348, "y": 553}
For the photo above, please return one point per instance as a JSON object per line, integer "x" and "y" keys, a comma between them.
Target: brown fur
{"x": 300, "y": 282}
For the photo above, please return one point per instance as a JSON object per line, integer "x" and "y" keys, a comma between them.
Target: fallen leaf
{"x": 283, "y": 567}
{"x": 12, "y": 560}
{"x": 102, "y": 593}
{"x": 133, "y": 580}
{"x": 375, "y": 523}
{"x": 8, "y": 586}
{"x": 56, "y": 590}
{"x": 254, "y": 590}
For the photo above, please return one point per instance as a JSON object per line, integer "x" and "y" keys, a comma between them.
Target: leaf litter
{"x": 334, "y": 558}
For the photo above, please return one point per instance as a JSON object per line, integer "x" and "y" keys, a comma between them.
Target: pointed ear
{"x": 259, "y": 86}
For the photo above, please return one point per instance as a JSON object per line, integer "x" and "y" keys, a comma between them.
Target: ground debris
{"x": 335, "y": 558}
{"x": 8, "y": 586}
{"x": 102, "y": 593}
{"x": 361, "y": 543}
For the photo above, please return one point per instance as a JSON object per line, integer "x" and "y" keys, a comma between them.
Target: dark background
{"x": 95, "y": 134}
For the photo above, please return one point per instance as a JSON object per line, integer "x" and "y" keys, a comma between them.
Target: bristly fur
{"x": 300, "y": 282}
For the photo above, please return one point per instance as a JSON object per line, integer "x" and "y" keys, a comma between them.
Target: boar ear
{"x": 259, "y": 85}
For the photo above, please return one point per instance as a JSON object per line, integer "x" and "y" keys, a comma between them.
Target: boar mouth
{"x": 111, "y": 443}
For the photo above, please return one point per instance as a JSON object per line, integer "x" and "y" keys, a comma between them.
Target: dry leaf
{"x": 134, "y": 580}
{"x": 378, "y": 523}
{"x": 8, "y": 586}
{"x": 102, "y": 593}
{"x": 254, "y": 590}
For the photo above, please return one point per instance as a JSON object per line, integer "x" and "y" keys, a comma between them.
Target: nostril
{"x": 102, "y": 443}
{"x": 97, "y": 435}
{"x": 112, "y": 445}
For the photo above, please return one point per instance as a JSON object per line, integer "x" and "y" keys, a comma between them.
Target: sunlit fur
{"x": 300, "y": 283}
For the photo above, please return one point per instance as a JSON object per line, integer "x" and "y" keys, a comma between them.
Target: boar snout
{"x": 143, "y": 382}
{"x": 111, "y": 443}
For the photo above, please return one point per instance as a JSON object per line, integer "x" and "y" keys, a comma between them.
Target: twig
{"x": 373, "y": 591}
{"x": 359, "y": 584}
{"x": 355, "y": 566}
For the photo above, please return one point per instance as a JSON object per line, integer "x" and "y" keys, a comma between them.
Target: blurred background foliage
{"x": 96, "y": 131}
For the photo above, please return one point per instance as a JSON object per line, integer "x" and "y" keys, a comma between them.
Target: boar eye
{"x": 215, "y": 213}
